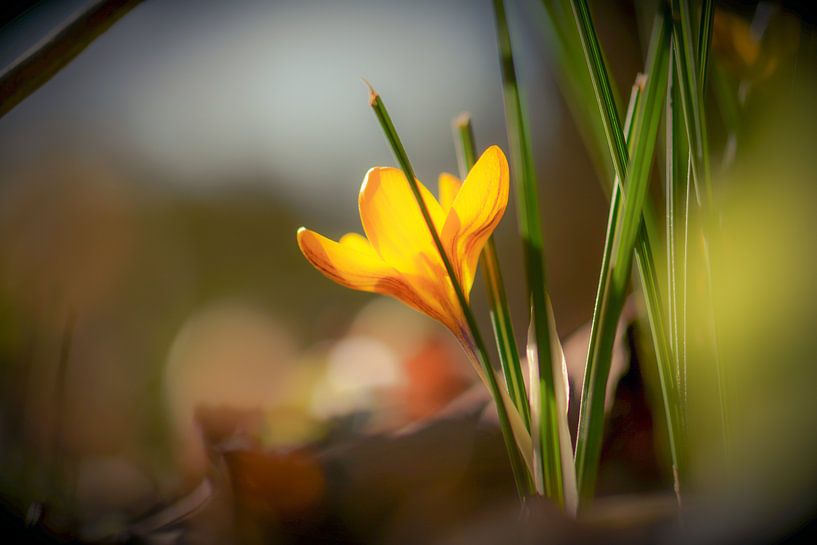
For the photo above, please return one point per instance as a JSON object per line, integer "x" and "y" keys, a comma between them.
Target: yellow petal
{"x": 351, "y": 262}
{"x": 475, "y": 213}
{"x": 358, "y": 243}
{"x": 448, "y": 187}
{"x": 435, "y": 297}
{"x": 394, "y": 224}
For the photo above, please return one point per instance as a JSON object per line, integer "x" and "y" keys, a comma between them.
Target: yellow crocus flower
{"x": 398, "y": 256}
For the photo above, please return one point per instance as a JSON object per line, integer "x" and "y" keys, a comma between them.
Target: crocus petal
{"x": 359, "y": 243}
{"x": 435, "y": 297}
{"x": 448, "y": 186}
{"x": 351, "y": 262}
{"x": 475, "y": 212}
{"x": 394, "y": 224}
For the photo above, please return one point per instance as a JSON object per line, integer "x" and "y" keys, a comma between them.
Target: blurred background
{"x": 159, "y": 329}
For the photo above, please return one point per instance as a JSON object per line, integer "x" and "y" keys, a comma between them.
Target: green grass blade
{"x": 624, "y": 233}
{"x": 647, "y": 232}
{"x": 500, "y": 312}
{"x": 601, "y": 85}
{"x": 670, "y": 396}
{"x": 705, "y": 39}
{"x": 521, "y": 475}
{"x": 677, "y": 212}
{"x": 576, "y": 86}
{"x": 531, "y": 233}
{"x": 691, "y": 99}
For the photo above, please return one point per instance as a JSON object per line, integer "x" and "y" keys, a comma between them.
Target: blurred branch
{"x": 40, "y": 63}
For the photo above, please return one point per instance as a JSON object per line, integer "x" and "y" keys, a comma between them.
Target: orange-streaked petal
{"x": 475, "y": 212}
{"x": 352, "y": 262}
{"x": 436, "y": 298}
{"x": 394, "y": 224}
{"x": 448, "y": 186}
{"x": 348, "y": 262}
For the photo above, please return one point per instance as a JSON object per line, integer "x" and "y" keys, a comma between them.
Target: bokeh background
{"x": 154, "y": 304}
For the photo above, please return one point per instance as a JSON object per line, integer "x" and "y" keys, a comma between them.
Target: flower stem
{"x": 530, "y": 230}
{"x": 521, "y": 475}
{"x": 500, "y": 312}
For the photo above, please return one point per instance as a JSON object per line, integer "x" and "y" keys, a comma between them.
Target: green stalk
{"x": 500, "y": 312}
{"x": 622, "y": 234}
{"x": 521, "y": 475}
{"x": 530, "y": 231}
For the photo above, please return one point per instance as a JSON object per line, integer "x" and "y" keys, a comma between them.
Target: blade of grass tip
{"x": 521, "y": 476}
{"x": 500, "y": 312}
{"x": 647, "y": 231}
{"x": 530, "y": 231}
{"x": 625, "y": 232}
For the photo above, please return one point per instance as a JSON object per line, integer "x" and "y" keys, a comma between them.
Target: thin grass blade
{"x": 647, "y": 232}
{"x": 530, "y": 230}
{"x": 575, "y": 84}
{"x": 625, "y": 229}
{"x": 492, "y": 273}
